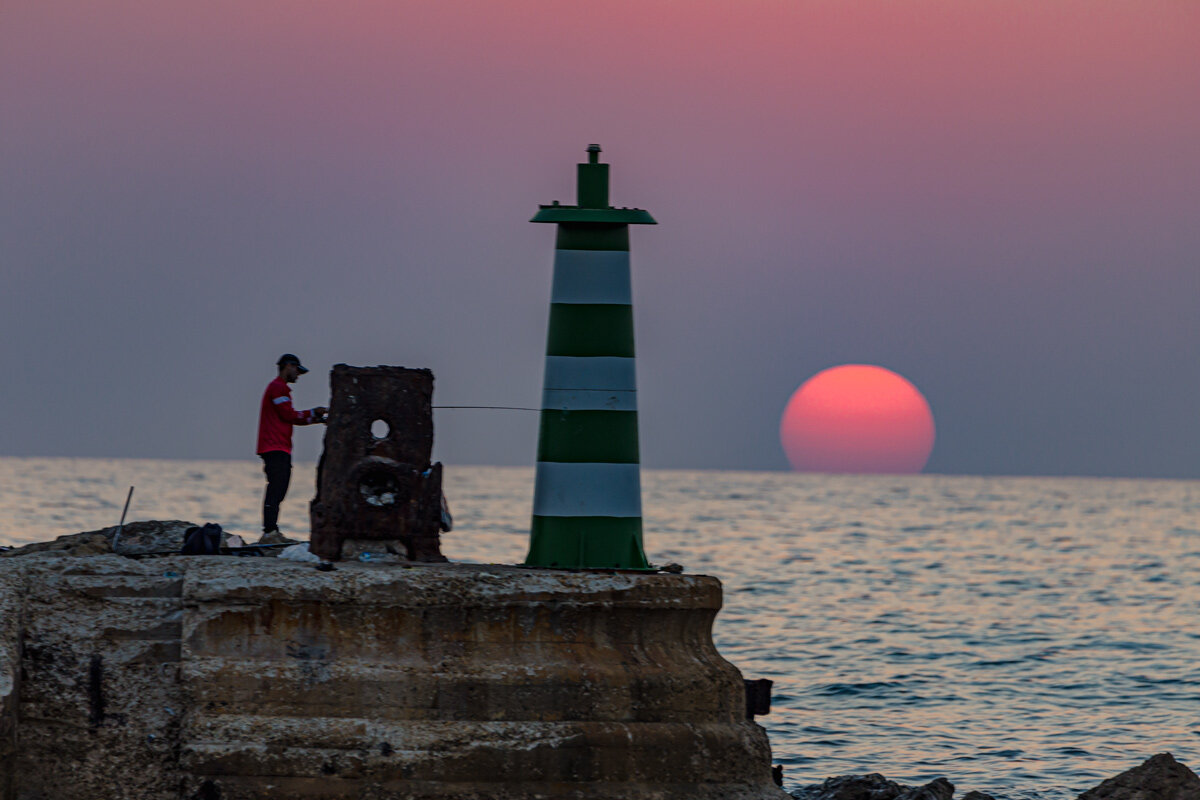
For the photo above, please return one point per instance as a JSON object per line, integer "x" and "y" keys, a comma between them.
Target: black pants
{"x": 278, "y": 467}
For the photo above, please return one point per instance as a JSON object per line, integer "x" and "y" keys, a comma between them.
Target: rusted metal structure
{"x": 375, "y": 481}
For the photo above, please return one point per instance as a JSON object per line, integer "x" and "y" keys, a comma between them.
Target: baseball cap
{"x": 288, "y": 358}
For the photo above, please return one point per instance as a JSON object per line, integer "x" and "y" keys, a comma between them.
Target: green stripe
{"x": 592, "y": 236}
{"x": 607, "y": 437}
{"x": 587, "y": 542}
{"x": 590, "y": 329}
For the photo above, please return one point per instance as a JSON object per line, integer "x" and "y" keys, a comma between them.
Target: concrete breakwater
{"x": 217, "y": 677}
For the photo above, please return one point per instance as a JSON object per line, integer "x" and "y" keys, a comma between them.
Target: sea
{"x": 1024, "y": 637}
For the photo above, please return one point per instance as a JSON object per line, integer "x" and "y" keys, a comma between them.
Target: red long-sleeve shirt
{"x": 276, "y": 418}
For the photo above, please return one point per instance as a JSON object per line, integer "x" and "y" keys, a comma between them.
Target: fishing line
{"x": 496, "y": 408}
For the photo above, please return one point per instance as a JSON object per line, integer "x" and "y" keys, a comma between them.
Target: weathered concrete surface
{"x": 12, "y": 614}
{"x": 100, "y": 691}
{"x": 233, "y": 678}
{"x": 378, "y": 487}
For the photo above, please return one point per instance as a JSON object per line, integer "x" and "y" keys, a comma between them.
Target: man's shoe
{"x": 273, "y": 536}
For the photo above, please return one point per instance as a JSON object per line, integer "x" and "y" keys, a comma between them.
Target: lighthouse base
{"x": 210, "y": 677}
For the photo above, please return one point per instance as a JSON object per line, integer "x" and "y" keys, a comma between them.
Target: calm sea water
{"x": 1027, "y": 637}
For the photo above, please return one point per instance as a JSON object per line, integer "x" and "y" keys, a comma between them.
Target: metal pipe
{"x": 121, "y": 525}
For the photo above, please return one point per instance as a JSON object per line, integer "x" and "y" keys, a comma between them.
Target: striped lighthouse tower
{"x": 587, "y": 497}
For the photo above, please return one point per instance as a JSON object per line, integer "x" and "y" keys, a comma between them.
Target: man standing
{"x": 275, "y": 420}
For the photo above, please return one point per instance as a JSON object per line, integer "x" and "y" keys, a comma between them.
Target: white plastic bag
{"x": 298, "y": 552}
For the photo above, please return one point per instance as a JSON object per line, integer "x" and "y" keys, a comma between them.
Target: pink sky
{"x": 985, "y": 196}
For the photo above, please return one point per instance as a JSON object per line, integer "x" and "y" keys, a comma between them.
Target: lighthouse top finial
{"x": 591, "y": 204}
{"x": 592, "y": 180}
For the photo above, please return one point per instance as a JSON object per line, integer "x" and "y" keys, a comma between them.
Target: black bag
{"x": 202, "y": 541}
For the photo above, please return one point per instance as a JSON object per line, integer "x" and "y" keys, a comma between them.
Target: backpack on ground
{"x": 202, "y": 540}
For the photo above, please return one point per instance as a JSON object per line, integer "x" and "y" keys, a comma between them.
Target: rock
{"x": 1160, "y": 777}
{"x": 936, "y": 789}
{"x": 76, "y": 544}
{"x": 850, "y": 787}
{"x": 137, "y": 538}
{"x": 874, "y": 787}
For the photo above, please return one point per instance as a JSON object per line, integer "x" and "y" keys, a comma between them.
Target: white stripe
{"x": 591, "y": 276}
{"x": 587, "y": 490}
{"x": 284, "y": 399}
{"x": 590, "y": 372}
{"x": 589, "y": 400}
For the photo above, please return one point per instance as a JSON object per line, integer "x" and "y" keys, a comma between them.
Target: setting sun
{"x": 857, "y": 418}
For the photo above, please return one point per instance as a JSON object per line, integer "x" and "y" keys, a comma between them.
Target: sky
{"x": 997, "y": 199}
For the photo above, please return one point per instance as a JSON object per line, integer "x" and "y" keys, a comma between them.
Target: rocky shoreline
{"x": 1160, "y": 777}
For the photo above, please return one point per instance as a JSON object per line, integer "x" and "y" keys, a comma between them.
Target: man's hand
{"x": 322, "y": 413}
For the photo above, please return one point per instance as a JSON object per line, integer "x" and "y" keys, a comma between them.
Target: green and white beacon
{"x": 587, "y": 496}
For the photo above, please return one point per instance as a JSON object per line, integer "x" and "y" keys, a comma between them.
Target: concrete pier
{"x": 237, "y": 678}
